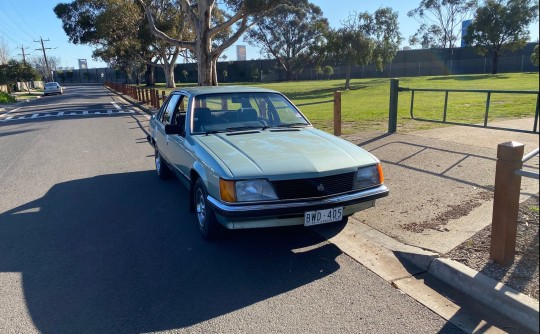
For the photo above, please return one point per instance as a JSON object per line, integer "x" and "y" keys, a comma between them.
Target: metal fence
{"x": 394, "y": 97}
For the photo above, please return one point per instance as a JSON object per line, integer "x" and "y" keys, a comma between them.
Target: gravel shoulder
{"x": 522, "y": 274}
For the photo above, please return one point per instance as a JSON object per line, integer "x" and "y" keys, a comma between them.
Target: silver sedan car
{"x": 52, "y": 88}
{"x": 251, "y": 159}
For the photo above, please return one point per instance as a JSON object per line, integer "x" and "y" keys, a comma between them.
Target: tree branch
{"x": 160, "y": 34}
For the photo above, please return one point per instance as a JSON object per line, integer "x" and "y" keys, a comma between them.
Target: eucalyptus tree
{"x": 349, "y": 46}
{"x": 42, "y": 67}
{"x": 383, "y": 28}
{"x": 501, "y": 26}
{"x": 364, "y": 39}
{"x": 291, "y": 34}
{"x": 4, "y": 51}
{"x": 212, "y": 37}
{"x": 119, "y": 31}
{"x": 440, "y": 22}
{"x": 534, "y": 56}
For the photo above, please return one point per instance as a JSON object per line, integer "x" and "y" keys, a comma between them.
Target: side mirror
{"x": 174, "y": 129}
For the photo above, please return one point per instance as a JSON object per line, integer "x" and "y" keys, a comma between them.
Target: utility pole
{"x": 44, "y": 55}
{"x": 23, "y": 54}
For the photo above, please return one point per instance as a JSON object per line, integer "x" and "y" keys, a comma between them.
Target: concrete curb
{"x": 388, "y": 258}
{"x": 502, "y": 298}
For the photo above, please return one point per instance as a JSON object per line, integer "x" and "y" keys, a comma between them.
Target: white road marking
{"x": 72, "y": 113}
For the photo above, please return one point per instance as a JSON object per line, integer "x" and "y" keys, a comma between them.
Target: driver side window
{"x": 169, "y": 109}
{"x": 179, "y": 115}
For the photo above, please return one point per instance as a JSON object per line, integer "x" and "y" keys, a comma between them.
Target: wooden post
{"x": 163, "y": 97}
{"x": 337, "y": 113}
{"x": 506, "y": 202}
{"x": 146, "y": 97}
{"x": 393, "y": 108}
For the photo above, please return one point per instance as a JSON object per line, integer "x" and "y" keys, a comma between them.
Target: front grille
{"x": 316, "y": 187}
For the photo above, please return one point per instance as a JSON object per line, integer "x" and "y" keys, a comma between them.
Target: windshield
{"x": 51, "y": 84}
{"x": 243, "y": 111}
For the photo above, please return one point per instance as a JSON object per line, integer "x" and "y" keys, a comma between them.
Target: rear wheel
{"x": 162, "y": 170}
{"x": 209, "y": 227}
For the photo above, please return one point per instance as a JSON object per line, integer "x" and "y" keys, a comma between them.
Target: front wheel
{"x": 209, "y": 227}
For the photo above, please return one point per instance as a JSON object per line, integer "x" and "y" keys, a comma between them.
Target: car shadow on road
{"x": 121, "y": 253}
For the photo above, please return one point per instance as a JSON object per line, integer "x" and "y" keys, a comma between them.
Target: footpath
{"x": 441, "y": 185}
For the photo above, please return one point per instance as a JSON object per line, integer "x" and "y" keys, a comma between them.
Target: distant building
{"x": 464, "y": 26}
{"x": 406, "y": 48}
{"x": 83, "y": 65}
{"x": 240, "y": 52}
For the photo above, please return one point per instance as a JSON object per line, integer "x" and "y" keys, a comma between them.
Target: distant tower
{"x": 464, "y": 25}
{"x": 240, "y": 52}
{"x": 82, "y": 64}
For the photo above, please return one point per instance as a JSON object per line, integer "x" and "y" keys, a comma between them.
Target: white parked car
{"x": 52, "y": 88}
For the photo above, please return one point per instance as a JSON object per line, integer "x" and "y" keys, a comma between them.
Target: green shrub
{"x": 6, "y": 98}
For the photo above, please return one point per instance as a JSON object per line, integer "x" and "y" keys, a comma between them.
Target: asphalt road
{"x": 91, "y": 241}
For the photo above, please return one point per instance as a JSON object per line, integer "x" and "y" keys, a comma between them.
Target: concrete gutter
{"x": 502, "y": 298}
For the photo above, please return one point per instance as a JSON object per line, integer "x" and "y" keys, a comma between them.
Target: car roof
{"x": 203, "y": 90}
{"x": 51, "y": 83}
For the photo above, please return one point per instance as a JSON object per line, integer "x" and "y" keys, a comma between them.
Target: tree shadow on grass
{"x": 468, "y": 77}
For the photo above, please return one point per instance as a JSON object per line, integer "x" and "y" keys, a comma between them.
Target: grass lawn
{"x": 365, "y": 105}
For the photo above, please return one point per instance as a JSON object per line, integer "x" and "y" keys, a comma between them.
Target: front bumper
{"x": 228, "y": 214}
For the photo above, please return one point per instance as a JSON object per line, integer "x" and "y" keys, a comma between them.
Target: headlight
{"x": 369, "y": 176}
{"x": 246, "y": 191}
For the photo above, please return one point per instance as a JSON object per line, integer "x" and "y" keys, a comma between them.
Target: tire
{"x": 209, "y": 227}
{"x": 162, "y": 170}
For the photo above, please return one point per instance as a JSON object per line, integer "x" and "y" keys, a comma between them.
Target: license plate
{"x": 323, "y": 216}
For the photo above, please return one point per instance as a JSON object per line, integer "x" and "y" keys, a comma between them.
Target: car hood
{"x": 285, "y": 153}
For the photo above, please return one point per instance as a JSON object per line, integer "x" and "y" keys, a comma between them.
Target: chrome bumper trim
{"x": 276, "y": 209}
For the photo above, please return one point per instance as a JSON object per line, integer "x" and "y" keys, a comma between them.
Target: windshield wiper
{"x": 210, "y": 132}
{"x": 291, "y": 125}
{"x": 241, "y": 128}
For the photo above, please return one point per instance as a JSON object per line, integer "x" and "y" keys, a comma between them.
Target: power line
{"x": 33, "y": 33}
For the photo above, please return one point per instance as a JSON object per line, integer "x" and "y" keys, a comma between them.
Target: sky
{"x": 24, "y": 24}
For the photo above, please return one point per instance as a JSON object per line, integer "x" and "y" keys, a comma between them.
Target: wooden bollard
{"x": 506, "y": 202}
{"x": 337, "y": 113}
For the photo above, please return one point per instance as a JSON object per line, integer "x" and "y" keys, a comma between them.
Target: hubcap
{"x": 158, "y": 163}
{"x": 201, "y": 207}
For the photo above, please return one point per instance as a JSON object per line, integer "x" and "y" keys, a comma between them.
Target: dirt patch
{"x": 522, "y": 274}
{"x": 453, "y": 212}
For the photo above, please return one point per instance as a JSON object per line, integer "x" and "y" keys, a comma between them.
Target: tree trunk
{"x": 495, "y": 62}
{"x": 214, "y": 73}
{"x": 348, "y": 77}
{"x": 150, "y": 75}
{"x": 204, "y": 45}
{"x": 169, "y": 75}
